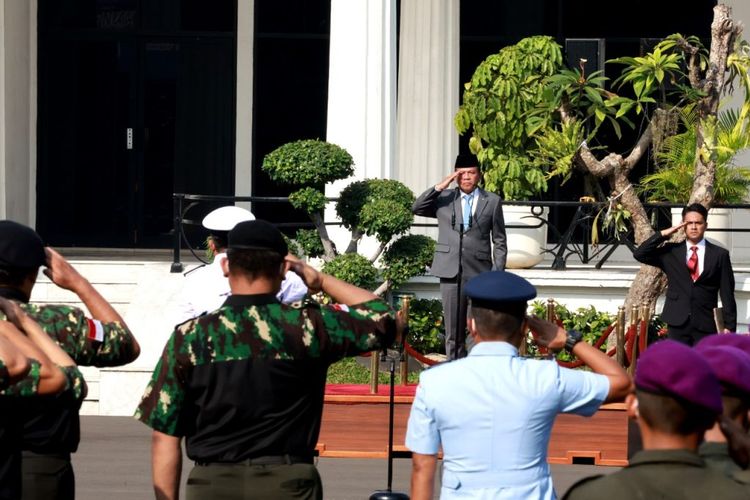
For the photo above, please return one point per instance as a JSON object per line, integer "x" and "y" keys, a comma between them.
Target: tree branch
{"x": 693, "y": 69}
{"x": 382, "y": 288}
{"x": 644, "y": 141}
{"x": 356, "y": 236}
{"x": 328, "y": 248}
{"x": 601, "y": 169}
{"x": 379, "y": 251}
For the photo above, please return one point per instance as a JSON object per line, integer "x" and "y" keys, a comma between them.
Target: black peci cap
{"x": 20, "y": 246}
{"x": 257, "y": 235}
{"x": 466, "y": 161}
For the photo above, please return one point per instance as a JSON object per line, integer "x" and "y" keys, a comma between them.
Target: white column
{"x": 428, "y": 93}
{"x": 362, "y": 91}
{"x": 740, "y": 13}
{"x": 244, "y": 125}
{"x": 18, "y": 110}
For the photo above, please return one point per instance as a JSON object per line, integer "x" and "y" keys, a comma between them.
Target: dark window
{"x": 290, "y": 95}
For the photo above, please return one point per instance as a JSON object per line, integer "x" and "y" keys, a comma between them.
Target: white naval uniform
{"x": 492, "y": 412}
{"x": 207, "y": 288}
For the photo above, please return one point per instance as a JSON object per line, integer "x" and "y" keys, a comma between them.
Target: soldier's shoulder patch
{"x": 340, "y": 307}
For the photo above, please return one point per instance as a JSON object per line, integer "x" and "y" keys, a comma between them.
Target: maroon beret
{"x": 740, "y": 341}
{"x": 673, "y": 369}
{"x": 730, "y": 364}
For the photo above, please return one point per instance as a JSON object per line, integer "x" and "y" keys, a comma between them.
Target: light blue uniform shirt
{"x": 492, "y": 412}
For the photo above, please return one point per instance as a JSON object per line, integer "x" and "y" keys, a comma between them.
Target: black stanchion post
{"x": 177, "y": 266}
{"x": 388, "y": 493}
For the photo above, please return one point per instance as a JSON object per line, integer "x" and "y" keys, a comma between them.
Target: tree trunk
{"x": 328, "y": 249}
{"x": 649, "y": 282}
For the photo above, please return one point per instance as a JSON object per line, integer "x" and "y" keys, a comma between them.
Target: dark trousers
{"x": 686, "y": 333}
{"x": 47, "y": 477}
{"x": 455, "y": 325}
{"x": 257, "y": 482}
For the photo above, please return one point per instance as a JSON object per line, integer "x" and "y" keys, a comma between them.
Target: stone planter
{"x": 528, "y": 239}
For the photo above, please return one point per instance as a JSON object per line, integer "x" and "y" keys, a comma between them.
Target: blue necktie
{"x": 467, "y": 210}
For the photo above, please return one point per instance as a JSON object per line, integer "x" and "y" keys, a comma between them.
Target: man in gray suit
{"x": 481, "y": 216}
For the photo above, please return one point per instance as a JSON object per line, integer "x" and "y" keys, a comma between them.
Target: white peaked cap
{"x": 225, "y": 218}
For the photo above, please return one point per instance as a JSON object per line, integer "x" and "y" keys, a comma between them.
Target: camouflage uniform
{"x": 10, "y": 445}
{"x": 50, "y": 424}
{"x": 11, "y": 400}
{"x": 245, "y": 384}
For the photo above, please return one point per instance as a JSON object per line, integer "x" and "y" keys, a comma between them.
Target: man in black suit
{"x": 484, "y": 242}
{"x": 697, "y": 271}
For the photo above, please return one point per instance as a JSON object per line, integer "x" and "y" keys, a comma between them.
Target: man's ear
{"x": 472, "y": 326}
{"x": 225, "y": 266}
{"x": 631, "y": 406}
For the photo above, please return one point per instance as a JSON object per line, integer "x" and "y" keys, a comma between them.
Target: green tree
{"x": 531, "y": 119}
{"x": 380, "y": 208}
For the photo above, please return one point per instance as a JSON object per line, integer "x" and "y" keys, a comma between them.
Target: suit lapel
{"x": 680, "y": 254}
{"x": 709, "y": 259}
{"x": 481, "y": 203}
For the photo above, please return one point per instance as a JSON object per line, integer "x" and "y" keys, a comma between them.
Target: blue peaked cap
{"x": 499, "y": 287}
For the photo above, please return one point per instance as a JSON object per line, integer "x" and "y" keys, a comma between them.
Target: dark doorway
{"x": 135, "y": 103}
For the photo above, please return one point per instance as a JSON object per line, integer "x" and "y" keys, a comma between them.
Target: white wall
{"x": 18, "y": 110}
{"x": 244, "y": 124}
{"x": 362, "y": 94}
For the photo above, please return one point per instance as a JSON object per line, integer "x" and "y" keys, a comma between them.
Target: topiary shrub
{"x": 308, "y": 162}
{"x": 407, "y": 257}
{"x": 353, "y": 268}
{"x": 426, "y": 328}
{"x": 308, "y": 242}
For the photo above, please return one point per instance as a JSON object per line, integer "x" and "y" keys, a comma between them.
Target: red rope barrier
{"x": 418, "y": 355}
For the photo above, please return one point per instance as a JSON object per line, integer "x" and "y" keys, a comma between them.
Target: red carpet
{"x": 364, "y": 390}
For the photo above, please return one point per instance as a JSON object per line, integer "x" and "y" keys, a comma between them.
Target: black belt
{"x": 267, "y": 460}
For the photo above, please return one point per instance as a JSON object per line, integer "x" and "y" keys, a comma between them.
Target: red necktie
{"x": 693, "y": 264}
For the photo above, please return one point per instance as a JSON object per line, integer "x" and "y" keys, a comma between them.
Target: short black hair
{"x": 220, "y": 239}
{"x": 673, "y": 415}
{"x": 494, "y": 324}
{"x": 695, "y": 207}
{"x": 254, "y": 263}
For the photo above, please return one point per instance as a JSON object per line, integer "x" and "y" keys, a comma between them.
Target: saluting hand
{"x": 447, "y": 181}
{"x": 312, "y": 278}
{"x": 547, "y": 334}
{"x": 60, "y": 272}
{"x": 666, "y": 233}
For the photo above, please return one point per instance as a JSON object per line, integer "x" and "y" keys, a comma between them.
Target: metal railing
{"x": 568, "y": 244}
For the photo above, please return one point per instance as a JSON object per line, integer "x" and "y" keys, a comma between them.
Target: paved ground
{"x": 113, "y": 462}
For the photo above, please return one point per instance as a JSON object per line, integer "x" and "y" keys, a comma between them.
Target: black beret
{"x": 257, "y": 235}
{"x": 498, "y": 289}
{"x": 20, "y": 246}
{"x": 466, "y": 161}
